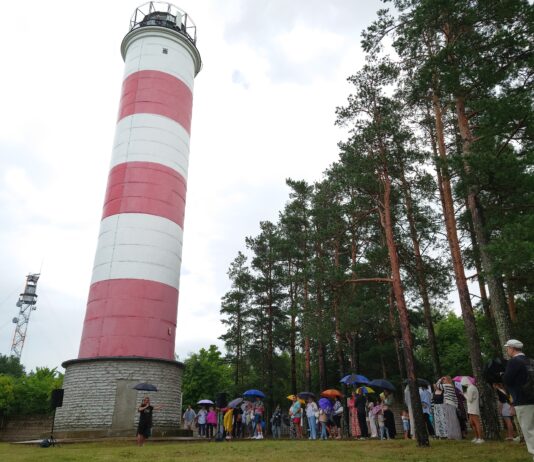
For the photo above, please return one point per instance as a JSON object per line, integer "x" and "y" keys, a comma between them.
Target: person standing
{"x": 189, "y": 418}
{"x": 211, "y": 422}
{"x": 201, "y": 420}
{"x": 440, "y": 422}
{"x": 473, "y": 408}
{"x": 405, "y": 417}
{"x": 389, "y": 421}
{"x": 361, "y": 407}
{"x": 258, "y": 416}
{"x": 450, "y": 409}
{"x": 323, "y": 421}
{"x": 372, "y": 419}
{"x": 520, "y": 383}
{"x": 312, "y": 412}
{"x": 276, "y": 422}
{"x": 295, "y": 414}
{"x": 337, "y": 415}
{"x": 355, "y": 431}
{"x": 506, "y": 410}
{"x": 144, "y": 428}
{"x": 426, "y": 403}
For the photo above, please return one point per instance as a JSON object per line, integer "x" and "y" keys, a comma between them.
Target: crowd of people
{"x": 448, "y": 406}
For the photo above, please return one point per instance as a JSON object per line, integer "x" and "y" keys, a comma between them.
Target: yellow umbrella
{"x": 300, "y": 400}
{"x": 364, "y": 390}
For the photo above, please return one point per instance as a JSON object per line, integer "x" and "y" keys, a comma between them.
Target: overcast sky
{"x": 263, "y": 110}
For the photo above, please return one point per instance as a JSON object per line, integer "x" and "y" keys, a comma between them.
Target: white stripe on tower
{"x": 132, "y": 305}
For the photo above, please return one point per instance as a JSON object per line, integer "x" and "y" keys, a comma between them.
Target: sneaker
{"x": 474, "y": 440}
{"x": 259, "y": 437}
{"x": 517, "y": 439}
{"x": 479, "y": 441}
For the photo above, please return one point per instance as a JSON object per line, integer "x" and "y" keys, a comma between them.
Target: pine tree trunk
{"x": 511, "y": 300}
{"x": 395, "y": 332}
{"x": 337, "y": 322}
{"x": 307, "y": 353}
{"x": 387, "y": 224}
{"x": 421, "y": 279}
{"x": 495, "y": 285}
{"x": 488, "y": 409}
{"x": 292, "y": 333}
{"x": 497, "y": 348}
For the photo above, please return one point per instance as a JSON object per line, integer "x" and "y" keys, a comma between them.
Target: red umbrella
{"x": 332, "y": 393}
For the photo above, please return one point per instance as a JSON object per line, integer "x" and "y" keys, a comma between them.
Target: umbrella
{"x": 235, "y": 402}
{"x": 301, "y": 401}
{"x": 382, "y": 383}
{"x": 306, "y": 395}
{"x": 145, "y": 387}
{"x": 205, "y": 401}
{"x": 353, "y": 379}
{"x": 459, "y": 378}
{"x": 365, "y": 390}
{"x": 254, "y": 393}
{"x": 325, "y": 404}
{"x": 332, "y": 393}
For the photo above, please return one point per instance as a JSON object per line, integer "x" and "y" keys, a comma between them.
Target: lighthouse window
{"x": 165, "y": 51}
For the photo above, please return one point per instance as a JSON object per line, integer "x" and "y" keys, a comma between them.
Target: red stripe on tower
{"x": 126, "y": 317}
{"x": 146, "y": 187}
{"x": 156, "y": 92}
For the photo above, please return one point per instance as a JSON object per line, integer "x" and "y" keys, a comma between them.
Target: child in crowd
{"x": 382, "y": 430}
{"x": 405, "y": 416}
{"x": 323, "y": 421}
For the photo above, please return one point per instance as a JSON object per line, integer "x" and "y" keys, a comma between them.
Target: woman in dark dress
{"x": 361, "y": 406}
{"x": 144, "y": 429}
{"x": 389, "y": 421}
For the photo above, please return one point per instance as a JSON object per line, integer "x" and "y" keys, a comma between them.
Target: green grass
{"x": 287, "y": 451}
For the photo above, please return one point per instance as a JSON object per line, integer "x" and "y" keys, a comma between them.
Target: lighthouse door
{"x": 125, "y": 408}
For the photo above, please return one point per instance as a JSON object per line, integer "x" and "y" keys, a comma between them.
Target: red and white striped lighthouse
{"x": 130, "y": 321}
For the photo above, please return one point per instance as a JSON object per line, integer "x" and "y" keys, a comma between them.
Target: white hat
{"x": 465, "y": 382}
{"x": 513, "y": 343}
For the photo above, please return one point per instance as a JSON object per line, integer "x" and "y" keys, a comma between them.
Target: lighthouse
{"x": 130, "y": 321}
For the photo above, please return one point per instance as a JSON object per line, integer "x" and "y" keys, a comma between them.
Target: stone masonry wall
{"x": 99, "y": 395}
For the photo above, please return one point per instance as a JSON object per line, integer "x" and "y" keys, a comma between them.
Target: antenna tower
{"x": 27, "y": 303}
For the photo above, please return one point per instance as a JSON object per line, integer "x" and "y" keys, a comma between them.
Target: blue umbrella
{"x": 355, "y": 379}
{"x": 145, "y": 387}
{"x": 253, "y": 393}
{"x": 325, "y": 404}
{"x": 382, "y": 383}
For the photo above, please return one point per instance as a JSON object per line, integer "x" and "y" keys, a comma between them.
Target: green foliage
{"x": 33, "y": 391}
{"x": 7, "y": 393}
{"x": 206, "y": 374}
{"x": 10, "y": 365}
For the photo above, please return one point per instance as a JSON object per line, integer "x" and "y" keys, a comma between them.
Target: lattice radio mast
{"x": 26, "y": 303}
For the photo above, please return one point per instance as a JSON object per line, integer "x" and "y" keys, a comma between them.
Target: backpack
{"x": 45, "y": 443}
{"x": 527, "y": 389}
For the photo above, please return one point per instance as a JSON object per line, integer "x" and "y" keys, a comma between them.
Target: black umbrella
{"x": 382, "y": 383}
{"x": 305, "y": 395}
{"x": 145, "y": 387}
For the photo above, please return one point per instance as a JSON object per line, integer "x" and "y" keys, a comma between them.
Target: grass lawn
{"x": 268, "y": 450}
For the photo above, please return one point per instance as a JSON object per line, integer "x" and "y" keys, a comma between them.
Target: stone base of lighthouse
{"x": 99, "y": 398}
